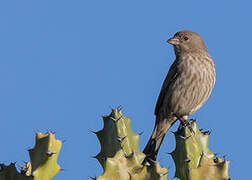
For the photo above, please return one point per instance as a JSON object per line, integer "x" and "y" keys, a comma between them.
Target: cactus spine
{"x": 194, "y": 160}
{"x": 43, "y": 165}
{"x": 120, "y": 156}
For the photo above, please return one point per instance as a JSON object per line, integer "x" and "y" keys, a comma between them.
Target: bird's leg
{"x": 185, "y": 123}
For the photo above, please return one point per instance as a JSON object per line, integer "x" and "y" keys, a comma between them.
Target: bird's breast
{"x": 194, "y": 84}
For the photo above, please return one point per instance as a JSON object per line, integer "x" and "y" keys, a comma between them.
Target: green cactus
{"x": 120, "y": 156}
{"x": 43, "y": 165}
{"x": 194, "y": 160}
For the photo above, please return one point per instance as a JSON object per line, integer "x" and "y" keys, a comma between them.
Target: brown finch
{"x": 186, "y": 88}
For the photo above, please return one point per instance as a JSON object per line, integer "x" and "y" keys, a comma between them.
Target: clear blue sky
{"x": 63, "y": 63}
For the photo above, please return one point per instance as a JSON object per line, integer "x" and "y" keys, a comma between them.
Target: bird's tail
{"x": 157, "y": 137}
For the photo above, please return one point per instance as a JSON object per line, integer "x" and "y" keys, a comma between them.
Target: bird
{"x": 187, "y": 86}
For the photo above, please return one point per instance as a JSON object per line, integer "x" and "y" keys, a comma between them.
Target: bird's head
{"x": 187, "y": 42}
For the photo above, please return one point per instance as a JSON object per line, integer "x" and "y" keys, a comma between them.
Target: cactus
{"x": 120, "y": 156}
{"x": 43, "y": 165}
{"x": 194, "y": 160}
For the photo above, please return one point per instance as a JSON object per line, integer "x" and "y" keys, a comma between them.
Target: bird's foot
{"x": 186, "y": 123}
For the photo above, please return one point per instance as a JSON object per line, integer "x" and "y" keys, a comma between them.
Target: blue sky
{"x": 64, "y": 63}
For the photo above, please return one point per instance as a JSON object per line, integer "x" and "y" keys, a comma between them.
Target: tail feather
{"x": 157, "y": 137}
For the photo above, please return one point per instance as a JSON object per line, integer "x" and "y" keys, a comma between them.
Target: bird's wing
{"x": 170, "y": 79}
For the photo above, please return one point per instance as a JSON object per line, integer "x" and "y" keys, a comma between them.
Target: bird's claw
{"x": 185, "y": 123}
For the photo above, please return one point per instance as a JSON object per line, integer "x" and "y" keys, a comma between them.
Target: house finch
{"x": 186, "y": 88}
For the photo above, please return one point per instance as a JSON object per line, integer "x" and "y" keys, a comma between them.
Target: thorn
{"x": 61, "y": 169}
{"x": 23, "y": 170}
{"x": 216, "y": 159}
{"x": 216, "y": 154}
{"x": 224, "y": 157}
{"x": 25, "y": 162}
{"x": 119, "y": 108}
{"x": 147, "y": 163}
{"x": 1, "y": 166}
{"x": 130, "y": 175}
{"x": 187, "y": 160}
{"x": 95, "y": 132}
{"x": 185, "y": 137}
{"x": 140, "y": 133}
{"x": 104, "y": 159}
{"x": 50, "y": 153}
{"x": 120, "y": 139}
{"x": 113, "y": 119}
{"x": 162, "y": 174}
{"x": 103, "y": 116}
{"x": 192, "y": 120}
{"x": 116, "y": 120}
{"x": 151, "y": 160}
{"x": 28, "y": 148}
{"x": 63, "y": 141}
{"x": 110, "y": 107}
{"x": 94, "y": 178}
{"x": 170, "y": 153}
{"x": 207, "y": 132}
{"x": 128, "y": 155}
{"x": 95, "y": 157}
{"x": 13, "y": 163}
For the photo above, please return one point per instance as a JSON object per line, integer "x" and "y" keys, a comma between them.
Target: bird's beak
{"x": 174, "y": 41}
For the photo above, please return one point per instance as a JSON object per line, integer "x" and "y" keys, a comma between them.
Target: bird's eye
{"x": 186, "y": 38}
